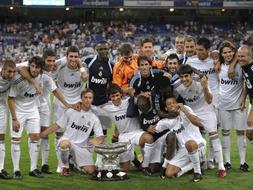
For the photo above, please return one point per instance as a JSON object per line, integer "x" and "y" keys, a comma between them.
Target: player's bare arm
{"x": 12, "y": 107}
{"x": 24, "y": 72}
{"x": 207, "y": 93}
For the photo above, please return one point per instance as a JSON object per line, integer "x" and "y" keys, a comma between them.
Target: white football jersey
{"x": 207, "y": 67}
{"x": 78, "y": 126}
{"x": 231, "y": 90}
{"x": 118, "y": 115}
{"x": 26, "y": 100}
{"x": 183, "y": 129}
{"x": 70, "y": 84}
{"x": 48, "y": 87}
{"x": 194, "y": 97}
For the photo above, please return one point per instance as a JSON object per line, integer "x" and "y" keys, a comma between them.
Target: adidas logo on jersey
{"x": 98, "y": 81}
{"x": 229, "y": 82}
{"x": 75, "y": 85}
{"x": 79, "y": 127}
{"x": 121, "y": 117}
{"x": 151, "y": 121}
{"x": 29, "y": 95}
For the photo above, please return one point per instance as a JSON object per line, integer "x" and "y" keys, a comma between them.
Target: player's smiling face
{"x": 186, "y": 79}
{"x": 179, "y": 45}
{"x": 201, "y": 52}
{"x": 87, "y": 99}
{"x": 147, "y": 49}
{"x": 8, "y": 73}
{"x": 144, "y": 68}
{"x": 50, "y": 64}
{"x": 244, "y": 57}
{"x": 171, "y": 105}
{"x": 116, "y": 98}
{"x": 72, "y": 59}
{"x": 34, "y": 70}
{"x": 227, "y": 54}
{"x": 189, "y": 48}
{"x": 172, "y": 65}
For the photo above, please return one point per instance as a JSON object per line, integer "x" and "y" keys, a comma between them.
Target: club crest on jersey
{"x": 251, "y": 67}
{"x": 100, "y": 73}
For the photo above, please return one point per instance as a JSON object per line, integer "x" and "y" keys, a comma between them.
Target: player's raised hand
{"x": 204, "y": 82}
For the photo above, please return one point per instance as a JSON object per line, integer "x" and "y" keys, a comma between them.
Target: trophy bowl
{"x": 109, "y": 169}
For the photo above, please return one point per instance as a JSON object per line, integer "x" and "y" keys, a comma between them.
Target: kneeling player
{"x": 191, "y": 143}
{"x": 75, "y": 140}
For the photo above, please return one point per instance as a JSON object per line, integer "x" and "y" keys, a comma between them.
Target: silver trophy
{"x": 109, "y": 170}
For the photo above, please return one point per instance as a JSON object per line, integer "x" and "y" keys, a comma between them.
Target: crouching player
{"x": 191, "y": 145}
{"x": 75, "y": 140}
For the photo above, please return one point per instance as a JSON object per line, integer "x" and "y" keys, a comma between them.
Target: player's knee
{"x": 89, "y": 169}
{"x": 65, "y": 144}
{"x": 249, "y": 134}
{"x": 34, "y": 137}
{"x": 191, "y": 145}
{"x": 170, "y": 173}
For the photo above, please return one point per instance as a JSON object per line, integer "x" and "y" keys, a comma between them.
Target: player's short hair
{"x": 113, "y": 89}
{"x": 190, "y": 39}
{"x": 180, "y": 36}
{"x": 48, "y": 52}
{"x": 87, "y": 90}
{"x": 73, "y": 49}
{"x": 9, "y": 63}
{"x": 185, "y": 69}
{"x": 172, "y": 56}
{"x": 143, "y": 104}
{"x": 147, "y": 40}
{"x": 143, "y": 58}
{"x": 170, "y": 97}
{"x": 247, "y": 47}
{"x": 126, "y": 49}
{"x": 204, "y": 42}
{"x": 38, "y": 61}
{"x": 223, "y": 45}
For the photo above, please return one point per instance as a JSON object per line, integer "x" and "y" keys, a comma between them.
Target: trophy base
{"x": 105, "y": 175}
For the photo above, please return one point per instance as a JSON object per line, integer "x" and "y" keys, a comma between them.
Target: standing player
{"x": 245, "y": 60}
{"x": 205, "y": 65}
{"x": 125, "y": 68}
{"x": 198, "y": 96}
{"x": 231, "y": 104}
{"x": 179, "y": 48}
{"x": 147, "y": 49}
{"x": 76, "y": 139}
{"x": 24, "y": 111}
{"x": 190, "y": 142}
{"x": 150, "y": 82}
{"x": 6, "y": 78}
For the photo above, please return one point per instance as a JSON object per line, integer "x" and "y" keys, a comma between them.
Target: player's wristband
{"x": 82, "y": 69}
